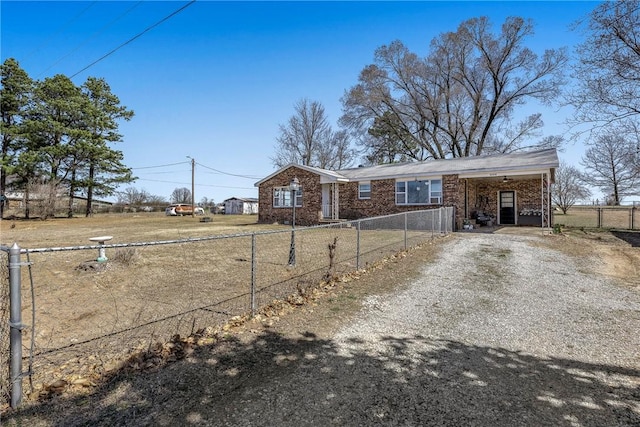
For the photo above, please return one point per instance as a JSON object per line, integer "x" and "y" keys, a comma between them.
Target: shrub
{"x": 126, "y": 256}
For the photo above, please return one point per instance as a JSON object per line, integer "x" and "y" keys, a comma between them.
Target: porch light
{"x": 505, "y": 179}
{"x": 294, "y": 185}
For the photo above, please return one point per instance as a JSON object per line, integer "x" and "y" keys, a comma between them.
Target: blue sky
{"x": 215, "y": 81}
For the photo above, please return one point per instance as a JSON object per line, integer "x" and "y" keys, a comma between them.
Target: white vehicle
{"x": 181, "y": 209}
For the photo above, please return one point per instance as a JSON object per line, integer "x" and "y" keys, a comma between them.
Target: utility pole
{"x": 193, "y": 188}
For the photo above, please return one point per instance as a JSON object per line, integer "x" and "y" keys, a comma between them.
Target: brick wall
{"x": 453, "y": 195}
{"x": 382, "y": 201}
{"x": 311, "y": 198}
{"x": 483, "y": 195}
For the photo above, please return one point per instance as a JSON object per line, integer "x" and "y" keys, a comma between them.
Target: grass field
{"x": 602, "y": 216}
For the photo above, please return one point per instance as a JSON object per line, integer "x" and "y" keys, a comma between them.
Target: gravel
{"x": 500, "y": 331}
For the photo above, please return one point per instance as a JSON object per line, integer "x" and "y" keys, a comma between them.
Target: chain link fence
{"x": 5, "y": 378}
{"x": 600, "y": 217}
{"x": 91, "y": 317}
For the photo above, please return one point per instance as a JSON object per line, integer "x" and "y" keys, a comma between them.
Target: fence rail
{"x": 90, "y": 315}
{"x": 600, "y": 217}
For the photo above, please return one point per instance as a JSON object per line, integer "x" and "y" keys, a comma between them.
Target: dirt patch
{"x": 612, "y": 253}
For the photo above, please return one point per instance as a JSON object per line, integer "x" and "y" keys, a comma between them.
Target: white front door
{"x": 326, "y": 200}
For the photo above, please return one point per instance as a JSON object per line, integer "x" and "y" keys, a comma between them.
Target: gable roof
{"x": 242, "y": 199}
{"x": 499, "y": 164}
{"x": 330, "y": 176}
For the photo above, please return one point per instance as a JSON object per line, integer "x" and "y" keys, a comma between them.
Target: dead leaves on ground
{"x": 177, "y": 348}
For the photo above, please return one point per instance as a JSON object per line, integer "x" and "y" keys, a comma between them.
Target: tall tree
{"x": 104, "y": 169}
{"x": 608, "y": 72}
{"x": 15, "y": 94}
{"x": 459, "y": 100}
{"x": 608, "y": 167}
{"x": 569, "y": 187}
{"x": 308, "y": 139}
{"x": 56, "y": 130}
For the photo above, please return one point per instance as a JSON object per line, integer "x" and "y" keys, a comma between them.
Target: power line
{"x": 227, "y": 173}
{"x": 60, "y": 30}
{"x": 199, "y": 185}
{"x": 136, "y": 36}
{"x": 94, "y": 35}
{"x": 161, "y": 166}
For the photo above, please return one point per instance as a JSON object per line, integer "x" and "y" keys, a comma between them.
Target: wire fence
{"x": 619, "y": 217}
{"x": 4, "y": 325}
{"x": 90, "y": 317}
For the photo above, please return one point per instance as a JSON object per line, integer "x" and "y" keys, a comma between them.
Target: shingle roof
{"x": 330, "y": 175}
{"x": 462, "y": 165}
{"x": 531, "y": 161}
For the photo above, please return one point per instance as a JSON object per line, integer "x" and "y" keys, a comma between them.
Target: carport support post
{"x": 15, "y": 325}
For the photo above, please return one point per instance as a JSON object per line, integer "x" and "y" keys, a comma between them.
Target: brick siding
{"x": 382, "y": 201}
{"x": 481, "y": 194}
{"x": 311, "y": 198}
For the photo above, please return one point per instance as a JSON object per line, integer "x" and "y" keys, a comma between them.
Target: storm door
{"x": 507, "y": 207}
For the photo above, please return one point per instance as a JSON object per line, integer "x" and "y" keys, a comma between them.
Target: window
{"x": 282, "y": 197}
{"x": 364, "y": 190}
{"x": 419, "y": 192}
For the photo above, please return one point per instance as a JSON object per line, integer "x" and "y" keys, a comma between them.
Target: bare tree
{"x": 633, "y": 149}
{"x": 133, "y": 196}
{"x": 46, "y": 199}
{"x": 207, "y": 202}
{"x": 569, "y": 187}
{"x": 608, "y": 167}
{"x": 608, "y": 73}
{"x": 308, "y": 139}
{"x": 459, "y": 100}
{"x": 181, "y": 195}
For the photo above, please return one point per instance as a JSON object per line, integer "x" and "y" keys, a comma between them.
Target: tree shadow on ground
{"x": 416, "y": 381}
{"x": 631, "y": 237}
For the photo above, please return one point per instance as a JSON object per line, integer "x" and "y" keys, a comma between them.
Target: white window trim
{"x": 285, "y": 190}
{"x": 360, "y": 196}
{"x": 405, "y": 193}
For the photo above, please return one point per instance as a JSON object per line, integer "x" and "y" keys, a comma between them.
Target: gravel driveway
{"x": 499, "y": 332}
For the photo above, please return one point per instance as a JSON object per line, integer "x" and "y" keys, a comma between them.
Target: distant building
{"x": 241, "y": 206}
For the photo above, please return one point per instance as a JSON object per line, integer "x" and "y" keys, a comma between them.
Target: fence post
{"x": 431, "y": 221}
{"x": 358, "y": 245}
{"x": 253, "y": 274}
{"x": 599, "y": 217}
{"x": 405, "y": 230}
{"x": 631, "y": 211}
{"x": 15, "y": 325}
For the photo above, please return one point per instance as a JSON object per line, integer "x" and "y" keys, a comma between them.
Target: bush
{"x": 126, "y": 256}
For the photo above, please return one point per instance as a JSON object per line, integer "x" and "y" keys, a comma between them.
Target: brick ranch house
{"x": 506, "y": 189}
